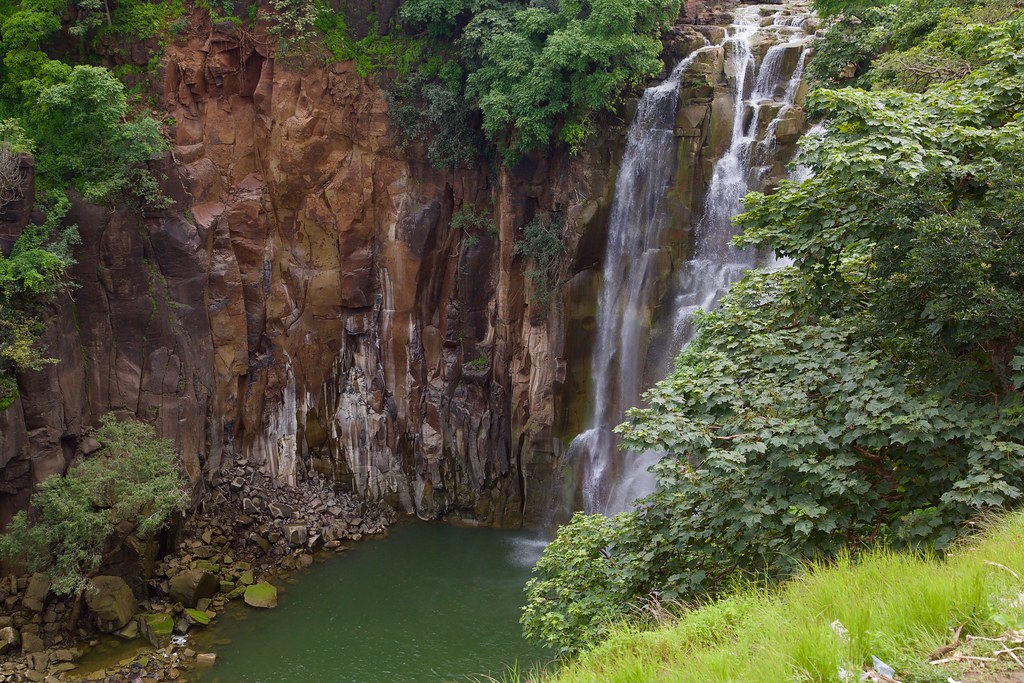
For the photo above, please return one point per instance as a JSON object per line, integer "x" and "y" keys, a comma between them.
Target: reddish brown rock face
{"x": 307, "y": 305}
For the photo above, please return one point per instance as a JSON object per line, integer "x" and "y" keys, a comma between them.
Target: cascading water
{"x": 716, "y": 263}
{"x": 611, "y": 480}
{"x": 634, "y": 237}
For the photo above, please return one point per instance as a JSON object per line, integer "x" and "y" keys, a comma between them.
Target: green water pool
{"x": 428, "y": 603}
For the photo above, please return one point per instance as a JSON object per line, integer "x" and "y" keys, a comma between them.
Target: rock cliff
{"x": 307, "y": 304}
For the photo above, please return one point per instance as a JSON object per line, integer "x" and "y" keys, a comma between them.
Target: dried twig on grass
{"x": 1003, "y": 566}
{"x": 946, "y": 649}
{"x": 1013, "y": 655}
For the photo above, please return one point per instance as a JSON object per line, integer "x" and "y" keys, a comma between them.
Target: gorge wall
{"x": 307, "y": 304}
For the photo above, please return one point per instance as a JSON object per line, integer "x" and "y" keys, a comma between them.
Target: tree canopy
{"x": 536, "y": 72}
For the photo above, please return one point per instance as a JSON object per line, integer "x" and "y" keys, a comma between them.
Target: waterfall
{"x": 611, "y": 480}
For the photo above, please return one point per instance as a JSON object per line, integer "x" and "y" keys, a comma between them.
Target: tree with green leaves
{"x": 543, "y": 79}
{"x": 79, "y": 521}
{"x": 536, "y": 72}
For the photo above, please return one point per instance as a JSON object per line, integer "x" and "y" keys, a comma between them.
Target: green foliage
{"x": 296, "y": 19}
{"x": 907, "y": 43}
{"x": 86, "y": 136}
{"x": 541, "y": 244}
{"x": 470, "y": 220}
{"x": 958, "y": 44}
{"x": 576, "y": 593}
{"x": 131, "y": 487}
{"x": 14, "y": 138}
{"x": 789, "y": 436}
{"x": 867, "y": 394}
{"x": 220, "y": 11}
{"x": 854, "y": 8}
{"x": 141, "y": 19}
{"x": 929, "y": 186}
{"x": 423, "y": 109}
{"x": 373, "y": 52}
{"x": 897, "y": 607}
{"x": 535, "y": 74}
{"x": 90, "y": 15}
{"x": 81, "y": 128}
{"x": 441, "y": 18}
{"x": 528, "y": 75}
{"x": 29, "y": 277}
{"x": 551, "y": 68}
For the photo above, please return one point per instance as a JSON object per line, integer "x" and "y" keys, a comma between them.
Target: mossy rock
{"x": 246, "y": 579}
{"x": 197, "y": 617}
{"x": 157, "y": 628}
{"x": 188, "y": 587}
{"x": 112, "y": 601}
{"x": 261, "y": 594}
{"x": 206, "y": 566}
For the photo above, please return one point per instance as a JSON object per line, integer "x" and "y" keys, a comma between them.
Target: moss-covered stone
{"x": 261, "y": 594}
{"x": 157, "y": 628}
{"x": 197, "y": 617}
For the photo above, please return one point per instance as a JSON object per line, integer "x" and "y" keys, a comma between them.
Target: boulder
{"x": 187, "y": 588}
{"x": 157, "y": 628}
{"x": 195, "y": 616}
{"x": 260, "y": 541}
{"x": 10, "y": 639}
{"x": 280, "y": 510}
{"x": 30, "y": 642}
{"x": 35, "y": 594}
{"x": 261, "y": 594}
{"x": 112, "y": 601}
{"x": 295, "y": 534}
{"x": 129, "y": 632}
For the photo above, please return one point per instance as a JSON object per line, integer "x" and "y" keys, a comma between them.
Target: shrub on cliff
{"x": 29, "y": 278}
{"x": 78, "y": 117}
{"x": 545, "y": 76}
{"x": 78, "y": 521}
{"x": 867, "y": 394}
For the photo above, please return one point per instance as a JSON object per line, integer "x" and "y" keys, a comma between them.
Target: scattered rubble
{"x": 248, "y": 531}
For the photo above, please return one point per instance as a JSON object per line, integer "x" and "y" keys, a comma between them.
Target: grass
{"x": 897, "y": 607}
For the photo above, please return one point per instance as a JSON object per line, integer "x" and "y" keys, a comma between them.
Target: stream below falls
{"x": 429, "y": 603}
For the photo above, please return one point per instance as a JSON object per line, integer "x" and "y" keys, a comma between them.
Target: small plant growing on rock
{"x": 469, "y": 219}
{"x": 296, "y": 19}
{"x": 541, "y": 244}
